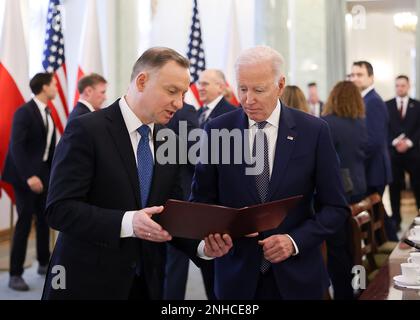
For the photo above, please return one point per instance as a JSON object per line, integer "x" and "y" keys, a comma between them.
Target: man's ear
{"x": 141, "y": 81}
{"x": 281, "y": 85}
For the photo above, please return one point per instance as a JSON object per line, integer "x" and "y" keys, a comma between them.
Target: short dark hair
{"x": 39, "y": 80}
{"x": 90, "y": 80}
{"x": 402, "y": 76}
{"x": 156, "y": 58}
{"x": 365, "y": 64}
{"x": 312, "y": 84}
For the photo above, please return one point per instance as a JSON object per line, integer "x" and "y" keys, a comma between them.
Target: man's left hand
{"x": 277, "y": 248}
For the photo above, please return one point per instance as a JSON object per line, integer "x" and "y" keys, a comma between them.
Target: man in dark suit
{"x": 211, "y": 87}
{"x": 177, "y": 262}
{"x": 315, "y": 104}
{"x": 404, "y": 138}
{"x": 27, "y": 168}
{"x": 107, "y": 247}
{"x": 297, "y": 158}
{"x": 92, "y": 91}
{"x": 378, "y": 163}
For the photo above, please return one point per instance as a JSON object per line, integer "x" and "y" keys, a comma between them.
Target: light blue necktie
{"x": 144, "y": 164}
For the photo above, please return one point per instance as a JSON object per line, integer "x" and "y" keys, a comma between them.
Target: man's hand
{"x": 35, "y": 184}
{"x": 217, "y": 246}
{"x": 277, "y": 248}
{"x": 145, "y": 228}
{"x": 402, "y": 146}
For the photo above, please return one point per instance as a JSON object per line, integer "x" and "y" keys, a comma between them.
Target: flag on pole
{"x": 196, "y": 57}
{"x": 14, "y": 77}
{"x": 54, "y": 62}
{"x": 90, "y": 59}
{"x": 233, "y": 49}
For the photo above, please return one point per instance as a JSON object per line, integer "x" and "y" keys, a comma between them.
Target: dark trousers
{"x": 340, "y": 263}
{"x": 267, "y": 287}
{"x": 29, "y": 204}
{"x": 139, "y": 289}
{"x": 390, "y": 227}
{"x": 400, "y": 165}
{"x": 176, "y": 274}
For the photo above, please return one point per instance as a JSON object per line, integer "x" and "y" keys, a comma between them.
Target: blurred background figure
{"x": 345, "y": 114}
{"x": 314, "y": 102}
{"x": 294, "y": 97}
{"x": 404, "y": 137}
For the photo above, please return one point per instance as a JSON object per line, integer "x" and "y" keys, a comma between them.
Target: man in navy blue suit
{"x": 211, "y": 87}
{"x": 378, "y": 163}
{"x": 27, "y": 168}
{"x": 92, "y": 90}
{"x": 298, "y": 158}
{"x": 404, "y": 138}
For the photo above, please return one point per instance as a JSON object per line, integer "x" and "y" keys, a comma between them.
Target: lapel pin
{"x": 290, "y": 138}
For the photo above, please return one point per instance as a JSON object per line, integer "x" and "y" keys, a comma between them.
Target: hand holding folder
{"x": 198, "y": 220}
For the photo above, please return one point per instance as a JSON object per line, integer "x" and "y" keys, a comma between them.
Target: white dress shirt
{"x": 367, "y": 90}
{"x": 211, "y": 107}
{"x": 87, "y": 104}
{"x": 405, "y": 100}
{"x": 41, "y": 106}
{"x": 271, "y": 131}
{"x": 315, "y": 109}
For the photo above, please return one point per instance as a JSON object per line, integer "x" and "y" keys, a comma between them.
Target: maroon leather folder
{"x": 197, "y": 220}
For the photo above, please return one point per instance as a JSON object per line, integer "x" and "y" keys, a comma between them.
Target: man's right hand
{"x": 145, "y": 228}
{"x": 35, "y": 184}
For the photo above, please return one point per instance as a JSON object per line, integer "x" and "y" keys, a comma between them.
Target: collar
{"x": 214, "y": 103}
{"x": 131, "y": 121}
{"x": 41, "y": 105}
{"x": 273, "y": 119}
{"x": 367, "y": 90}
{"x": 87, "y": 104}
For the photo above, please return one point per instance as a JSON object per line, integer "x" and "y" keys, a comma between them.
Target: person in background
{"x": 344, "y": 112}
{"x": 92, "y": 90}
{"x": 27, "y": 169}
{"x": 294, "y": 97}
{"x": 404, "y": 148}
{"x": 314, "y": 102}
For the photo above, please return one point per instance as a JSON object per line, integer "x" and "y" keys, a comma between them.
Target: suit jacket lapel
{"x": 157, "y": 168}
{"x": 122, "y": 142}
{"x": 39, "y": 116}
{"x": 286, "y": 139}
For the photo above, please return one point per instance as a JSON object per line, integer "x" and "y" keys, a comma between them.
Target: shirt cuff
{"x": 294, "y": 245}
{"x": 200, "y": 251}
{"x": 409, "y": 143}
{"x": 127, "y": 225}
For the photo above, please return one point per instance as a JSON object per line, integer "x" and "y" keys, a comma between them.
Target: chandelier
{"x": 405, "y": 21}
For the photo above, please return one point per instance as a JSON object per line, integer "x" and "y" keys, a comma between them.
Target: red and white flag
{"x": 14, "y": 77}
{"x": 233, "y": 49}
{"x": 54, "y": 62}
{"x": 90, "y": 58}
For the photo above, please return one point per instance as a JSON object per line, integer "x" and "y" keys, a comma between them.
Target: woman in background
{"x": 345, "y": 113}
{"x": 294, "y": 97}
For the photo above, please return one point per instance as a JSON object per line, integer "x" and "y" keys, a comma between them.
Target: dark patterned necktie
{"x": 262, "y": 180}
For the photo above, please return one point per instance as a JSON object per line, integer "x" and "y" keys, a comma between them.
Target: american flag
{"x": 196, "y": 53}
{"x": 54, "y": 62}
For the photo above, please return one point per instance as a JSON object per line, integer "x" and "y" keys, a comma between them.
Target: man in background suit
{"x": 404, "y": 138}
{"x": 109, "y": 248}
{"x": 177, "y": 263}
{"x": 27, "y": 168}
{"x": 92, "y": 90}
{"x": 211, "y": 87}
{"x": 314, "y": 103}
{"x": 298, "y": 158}
{"x": 378, "y": 164}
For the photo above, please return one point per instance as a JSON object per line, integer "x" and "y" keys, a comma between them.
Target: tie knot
{"x": 261, "y": 125}
{"x": 47, "y": 110}
{"x": 205, "y": 108}
{"x": 144, "y": 131}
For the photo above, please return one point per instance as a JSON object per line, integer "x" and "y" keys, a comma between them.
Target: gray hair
{"x": 262, "y": 54}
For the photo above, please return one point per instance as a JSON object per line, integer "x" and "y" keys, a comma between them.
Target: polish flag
{"x": 14, "y": 77}
{"x": 90, "y": 59}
